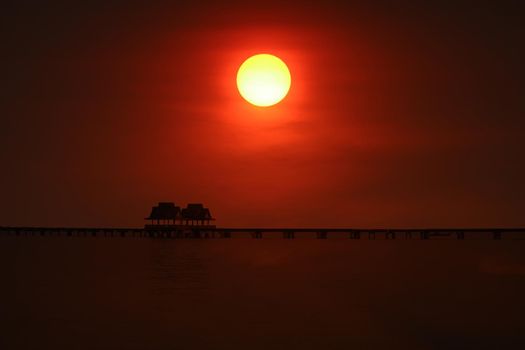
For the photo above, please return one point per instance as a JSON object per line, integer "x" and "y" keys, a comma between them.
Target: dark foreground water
{"x": 114, "y": 293}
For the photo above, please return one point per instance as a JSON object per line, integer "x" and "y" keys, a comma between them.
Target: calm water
{"x": 114, "y": 293}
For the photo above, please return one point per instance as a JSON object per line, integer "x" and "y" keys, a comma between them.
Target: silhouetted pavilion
{"x": 196, "y": 214}
{"x": 164, "y": 213}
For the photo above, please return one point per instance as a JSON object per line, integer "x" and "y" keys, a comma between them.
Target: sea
{"x": 241, "y": 293}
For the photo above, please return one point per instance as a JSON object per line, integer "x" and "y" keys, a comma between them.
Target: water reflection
{"x": 281, "y": 294}
{"x": 178, "y": 269}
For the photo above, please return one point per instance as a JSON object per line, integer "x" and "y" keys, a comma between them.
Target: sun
{"x": 263, "y": 80}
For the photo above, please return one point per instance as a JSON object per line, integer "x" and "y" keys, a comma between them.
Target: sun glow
{"x": 263, "y": 80}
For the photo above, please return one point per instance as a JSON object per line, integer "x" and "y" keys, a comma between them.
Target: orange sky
{"x": 398, "y": 115}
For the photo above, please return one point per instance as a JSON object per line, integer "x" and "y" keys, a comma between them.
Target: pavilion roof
{"x": 164, "y": 211}
{"x": 196, "y": 211}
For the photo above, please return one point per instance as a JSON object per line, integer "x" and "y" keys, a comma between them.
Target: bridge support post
{"x": 322, "y": 235}
{"x": 460, "y": 235}
{"x": 390, "y": 235}
{"x": 496, "y": 235}
{"x": 355, "y": 235}
{"x": 288, "y": 234}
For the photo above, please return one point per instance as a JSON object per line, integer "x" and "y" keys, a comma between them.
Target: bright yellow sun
{"x": 263, "y": 80}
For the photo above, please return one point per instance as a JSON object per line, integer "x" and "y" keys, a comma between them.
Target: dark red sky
{"x": 405, "y": 114}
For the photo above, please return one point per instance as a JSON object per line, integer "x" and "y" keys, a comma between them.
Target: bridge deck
{"x": 259, "y": 232}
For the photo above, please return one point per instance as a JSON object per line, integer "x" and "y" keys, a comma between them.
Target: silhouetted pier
{"x": 212, "y": 232}
{"x": 168, "y": 221}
